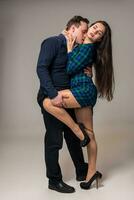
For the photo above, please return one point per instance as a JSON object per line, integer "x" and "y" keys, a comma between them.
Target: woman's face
{"x": 96, "y": 32}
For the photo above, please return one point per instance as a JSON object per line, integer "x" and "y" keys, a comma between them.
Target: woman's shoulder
{"x": 87, "y": 46}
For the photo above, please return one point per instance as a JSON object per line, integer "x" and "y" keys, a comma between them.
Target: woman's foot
{"x": 79, "y": 130}
{"x": 87, "y": 184}
{"x": 86, "y": 139}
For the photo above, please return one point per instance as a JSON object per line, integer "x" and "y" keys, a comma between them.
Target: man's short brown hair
{"x": 76, "y": 20}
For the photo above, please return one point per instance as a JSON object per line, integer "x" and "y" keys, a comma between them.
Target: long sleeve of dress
{"x": 79, "y": 58}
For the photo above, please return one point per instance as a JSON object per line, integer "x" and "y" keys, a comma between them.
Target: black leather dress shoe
{"x": 61, "y": 187}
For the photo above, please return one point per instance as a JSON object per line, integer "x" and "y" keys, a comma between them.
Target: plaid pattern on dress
{"x": 82, "y": 86}
{"x": 85, "y": 95}
{"x": 81, "y": 57}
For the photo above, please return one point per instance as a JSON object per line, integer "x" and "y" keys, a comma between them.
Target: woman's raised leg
{"x": 61, "y": 113}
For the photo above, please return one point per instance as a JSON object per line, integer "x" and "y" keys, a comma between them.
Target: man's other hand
{"x": 57, "y": 101}
{"x": 88, "y": 71}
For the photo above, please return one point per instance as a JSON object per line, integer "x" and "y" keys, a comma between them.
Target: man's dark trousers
{"x": 53, "y": 141}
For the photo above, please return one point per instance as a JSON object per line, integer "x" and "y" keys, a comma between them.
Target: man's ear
{"x": 73, "y": 28}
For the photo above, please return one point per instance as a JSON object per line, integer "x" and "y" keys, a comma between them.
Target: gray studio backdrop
{"x": 24, "y": 25}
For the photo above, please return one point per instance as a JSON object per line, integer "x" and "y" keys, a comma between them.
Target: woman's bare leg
{"x": 85, "y": 116}
{"x": 62, "y": 114}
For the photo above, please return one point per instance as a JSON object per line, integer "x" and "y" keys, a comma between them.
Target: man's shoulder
{"x": 53, "y": 39}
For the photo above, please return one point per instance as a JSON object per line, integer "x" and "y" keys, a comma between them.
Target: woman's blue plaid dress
{"x": 82, "y": 86}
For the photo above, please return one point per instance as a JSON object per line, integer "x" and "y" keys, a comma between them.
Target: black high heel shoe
{"x": 87, "y": 185}
{"x": 86, "y": 139}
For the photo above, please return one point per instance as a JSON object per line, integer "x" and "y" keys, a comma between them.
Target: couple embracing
{"x": 68, "y": 94}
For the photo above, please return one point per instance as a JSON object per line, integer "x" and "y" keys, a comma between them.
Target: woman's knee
{"x": 46, "y": 104}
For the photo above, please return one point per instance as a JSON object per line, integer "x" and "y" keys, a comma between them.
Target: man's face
{"x": 80, "y": 32}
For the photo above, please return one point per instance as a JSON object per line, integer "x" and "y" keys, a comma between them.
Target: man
{"x": 51, "y": 70}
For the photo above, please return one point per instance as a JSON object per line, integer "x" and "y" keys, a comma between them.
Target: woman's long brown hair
{"x": 104, "y": 73}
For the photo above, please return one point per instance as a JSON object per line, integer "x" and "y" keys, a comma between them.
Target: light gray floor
{"x": 22, "y": 170}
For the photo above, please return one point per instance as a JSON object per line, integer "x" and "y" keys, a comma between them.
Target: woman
{"x": 96, "y": 50}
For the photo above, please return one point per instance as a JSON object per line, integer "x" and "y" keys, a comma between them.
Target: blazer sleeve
{"x": 47, "y": 54}
{"x": 79, "y": 59}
